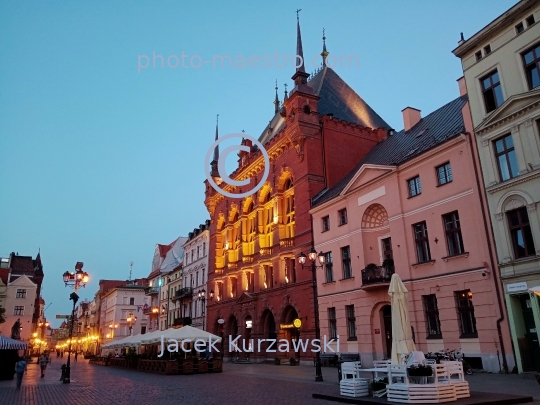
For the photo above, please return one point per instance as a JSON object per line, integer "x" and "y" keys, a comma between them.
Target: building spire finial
{"x": 324, "y": 52}
{"x": 286, "y": 94}
{"x": 276, "y": 101}
{"x": 214, "y": 163}
{"x": 300, "y": 76}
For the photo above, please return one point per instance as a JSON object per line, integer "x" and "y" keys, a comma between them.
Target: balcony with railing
{"x": 151, "y": 291}
{"x": 376, "y": 276}
{"x": 185, "y": 292}
{"x": 151, "y": 311}
{"x": 265, "y": 251}
{"x": 182, "y": 321}
{"x": 286, "y": 242}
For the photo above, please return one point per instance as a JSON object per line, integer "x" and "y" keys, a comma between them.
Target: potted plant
{"x": 387, "y": 263}
{"x": 420, "y": 370}
{"x": 378, "y": 386}
{"x": 371, "y": 266}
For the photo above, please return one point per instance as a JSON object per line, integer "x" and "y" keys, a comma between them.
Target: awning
{"x": 11, "y": 344}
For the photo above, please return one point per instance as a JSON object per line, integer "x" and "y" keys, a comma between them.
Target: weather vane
{"x": 297, "y": 13}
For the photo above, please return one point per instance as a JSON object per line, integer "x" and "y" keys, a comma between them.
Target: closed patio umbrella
{"x": 402, "y": 341}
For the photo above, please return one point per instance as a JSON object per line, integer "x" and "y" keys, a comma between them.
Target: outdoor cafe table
{"x": 374, "y": 371}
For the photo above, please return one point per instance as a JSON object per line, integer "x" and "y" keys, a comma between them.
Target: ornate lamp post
{"x": 131, "y": 320}
{"x": 76, "y": 279}
{"x": 202, "y": 297}
{"x": 312, "y": 255}
{"x": 73, "y": 296}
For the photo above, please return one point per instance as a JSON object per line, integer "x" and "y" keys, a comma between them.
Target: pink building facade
{"x": 413, "y": 206}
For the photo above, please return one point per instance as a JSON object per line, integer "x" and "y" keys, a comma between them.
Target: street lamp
{"x": 73, "y": 296}
{"x": 76, "y": 279}
{"x": 131, "y": 320}
{"x": 312, "y": 255}
{"x": 202, "y": 297}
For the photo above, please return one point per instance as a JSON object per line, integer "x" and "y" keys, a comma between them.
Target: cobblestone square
{"x": 238, "y": 384}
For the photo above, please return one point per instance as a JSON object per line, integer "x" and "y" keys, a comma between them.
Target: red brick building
{"x": 316, "y": 136}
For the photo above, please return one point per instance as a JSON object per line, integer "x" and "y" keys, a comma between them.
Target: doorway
{"x": 387, "y": 325}
{"x": 528, "y": 343}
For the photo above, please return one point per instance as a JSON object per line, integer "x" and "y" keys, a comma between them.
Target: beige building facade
{"x": 501, "y": 65}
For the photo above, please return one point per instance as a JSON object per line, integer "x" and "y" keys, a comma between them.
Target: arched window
{"x": 288, "y": 208}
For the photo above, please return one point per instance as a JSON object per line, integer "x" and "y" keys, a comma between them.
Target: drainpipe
{"x": 494, "y": 268}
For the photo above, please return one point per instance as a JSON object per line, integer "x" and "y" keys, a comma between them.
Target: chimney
{"x": 462, "y": 86}
{"x": 411, "y": 117}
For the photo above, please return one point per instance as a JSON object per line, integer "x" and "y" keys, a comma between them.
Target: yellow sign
{"x": 295, "y": 324}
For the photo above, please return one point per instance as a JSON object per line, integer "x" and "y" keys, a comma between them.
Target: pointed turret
{"x": 276, "y": 101}
{"x": 214, "y": 172}
{"x": 324, "y": 52}
{"x": 300, "y": 76}
{"x": 286, "y": 97}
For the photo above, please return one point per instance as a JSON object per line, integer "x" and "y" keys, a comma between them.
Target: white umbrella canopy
{"x": 148, "y": 338}
{"x": 402, "y": 342}
{"x": 189, "y": 332}
{"x": 535, "y": 290}
{"x": 183, "y": 333}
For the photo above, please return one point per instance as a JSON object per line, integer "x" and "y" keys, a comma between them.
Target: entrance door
{"x": 387, "y": 322}
{"x": 528, "y": 344}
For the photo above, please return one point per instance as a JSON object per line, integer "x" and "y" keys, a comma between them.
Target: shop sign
{"x": 514, "y": 287}
{"x": 294, "y": 325}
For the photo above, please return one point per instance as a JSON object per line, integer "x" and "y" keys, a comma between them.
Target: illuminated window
{"x": 289, "y": 209}
{"x": 465, "y": 309}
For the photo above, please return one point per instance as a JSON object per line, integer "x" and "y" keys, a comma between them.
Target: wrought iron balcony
{"x": 184, "y": 293}
{"x": 151, "y": 291}
{"x": 151, "y": 311}
{"x": 377, "y": 275}
{"x": 182, "y": 321}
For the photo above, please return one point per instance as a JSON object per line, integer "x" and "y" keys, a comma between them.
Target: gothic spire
{"x": 299, "y": 50}
{"x": 214, "y": 163}
{"x": 276, "y": 101}
{"x": 324, "y": 52}
{"x": 300, "y": 76}
{"x": 286, "y": 94}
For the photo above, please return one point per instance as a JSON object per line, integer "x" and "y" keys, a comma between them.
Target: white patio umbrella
{"x": 183, "y": 333}
{"x": 535, "y": 290}
{"x": 402, "y": 342}
{"x": 189, "y": 332}
{"x": 152, "y": 337}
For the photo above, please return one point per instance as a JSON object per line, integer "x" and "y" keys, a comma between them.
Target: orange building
{"x": 315, "y": 137}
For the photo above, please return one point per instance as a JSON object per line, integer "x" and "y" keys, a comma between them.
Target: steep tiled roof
{"x": 337, "y": 98}
{"x": 436, "y": 128}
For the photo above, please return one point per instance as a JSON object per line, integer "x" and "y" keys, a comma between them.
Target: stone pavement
{"x": 239, "y": 384}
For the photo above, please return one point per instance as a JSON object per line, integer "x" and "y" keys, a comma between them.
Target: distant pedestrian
{"x": 43, "y": 360}
{"x": 57, "y": 353}
{"x": 20, "y": 369}
{"x": 76, "y": 354}
{"x": 62, "y": 354}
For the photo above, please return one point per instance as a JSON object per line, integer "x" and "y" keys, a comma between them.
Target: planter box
{"x": 420, "y": 372}
{"x": 379, "y": 393}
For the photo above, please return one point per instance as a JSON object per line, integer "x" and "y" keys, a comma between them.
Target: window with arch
{"x": 288, "y": 205}
{"x": 520, "y": 232}
{"x": 236, "y": 238}
{"x": 251, "y": 229}
{"x": 268, "y": 217}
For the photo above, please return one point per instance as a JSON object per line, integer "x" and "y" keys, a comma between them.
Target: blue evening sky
{"x": 99, "y": 162}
